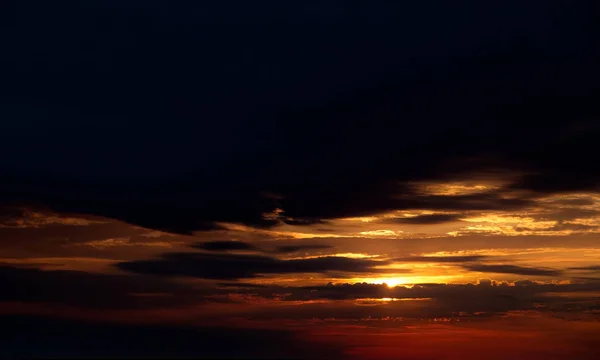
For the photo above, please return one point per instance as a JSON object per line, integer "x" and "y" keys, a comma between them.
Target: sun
{"x": 395, "y": 281}
{"x": 391, "y": 282}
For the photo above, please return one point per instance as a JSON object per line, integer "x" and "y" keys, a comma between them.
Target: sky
{"x": 364, "y": 180}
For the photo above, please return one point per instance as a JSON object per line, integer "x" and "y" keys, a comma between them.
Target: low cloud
{"x": 238, "y": 266}
{"x": 441, "y": 259}
{"x": 512, "y": 269}
{"x": 91, "y": 290}
{"x": 586, "y": 268}
{"x": 122, "y": 292}
{"x": 296, "y": 248}
{"x": 24, "y": 218}
{"x": 230, "y": 245}
{"x": 224, "y": 245}
{"x": 426, "y": 219}
{"x": 304, "y": 222}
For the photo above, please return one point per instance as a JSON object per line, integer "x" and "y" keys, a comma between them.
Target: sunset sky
{"x": 300, "y": 179}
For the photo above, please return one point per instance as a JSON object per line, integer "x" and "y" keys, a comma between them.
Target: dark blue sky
{"x": 127, "y": 97}
{"x": 129, "y": 87}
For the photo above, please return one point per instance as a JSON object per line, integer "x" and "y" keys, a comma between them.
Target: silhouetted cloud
{"x": 295, "y": 248}
{"x": 230, "y": 245}
{"x": 122, "y": 292}
{"x": 224, "y": 245}
{"x": 512, "y": 269}
{"x": 426, "y": 219}
{"x": 92, "y": 290}
{"x": 237, "y": 266}
{"x": 243, "y": 285}
{"x": 586, "y": 268}
{"x": 61, "y": 240}
{"x": 302, "y": 222}
{"x": 488, "y": 298}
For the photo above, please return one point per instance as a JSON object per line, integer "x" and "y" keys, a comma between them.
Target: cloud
{"x": 90, "y": 292}
{"x": 488, "y": 298}
{"x": 243, "y": 285}
{"x": 237, "y": 266}
{"x": 575, "y": 202}
{"x": 99, "y": 291}
{"x": 59, "y": 240}
{"x": 286, "y": 249}
{"x": 23, "y": 218}
{"x": 441, "y": 259}
{"x": 586, "y": 268}
{"x": 224, "y": 245}
{"x": 302, "y": 222}
{"x": 512, "y": 269}
{"x": 230, "y": 245}
{"x": 426, "y": 219}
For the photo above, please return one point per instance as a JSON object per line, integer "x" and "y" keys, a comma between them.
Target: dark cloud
{"x": 587, "y": 268}
{"x": 243, "y": 285}
{"x": 303, "y": 222}
{"x": 512, "y": 269}
{"x": 119, "y": 292}
{"x": 60, "y": 239}
{"x": 575, "y": 202}
{"x": 391, "y": 196}
{"x": 563, "y": 226}
{"x": 286, "y": 249}
{"x": 426, "y": 219}
{"x": 525, "y": 283}
{"x": 488, "y": 298}
{"x": 365, "y": 290}
{"x": 10, "y": 214}
{"x": 441, "y": 259}
{"x": 237, "y": 266}
{"x": 276, "y": 104}
{"x": 230, "y": 245}
{"x": 92, "y": 290}
{"x": 224, "y": 245}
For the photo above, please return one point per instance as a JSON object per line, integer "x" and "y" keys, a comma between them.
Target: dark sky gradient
{"x": 172, "y": 116}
